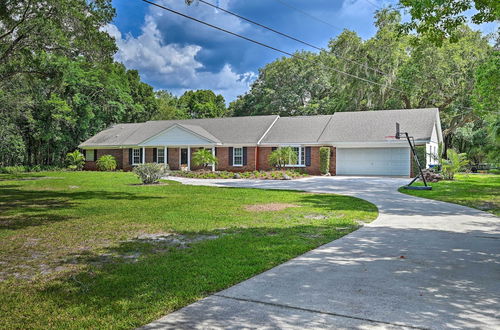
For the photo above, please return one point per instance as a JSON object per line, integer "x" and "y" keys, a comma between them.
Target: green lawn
{"x": 480, "y": 191}
{"x": 71, "y": 257}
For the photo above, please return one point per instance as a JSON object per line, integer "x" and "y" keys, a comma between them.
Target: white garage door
{"x": 373, "y": 161}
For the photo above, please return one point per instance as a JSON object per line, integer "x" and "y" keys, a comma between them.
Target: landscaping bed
{"x": 480, "y": 191}
{"x": 98, "y": 250}
{"x": 261, "y": 175}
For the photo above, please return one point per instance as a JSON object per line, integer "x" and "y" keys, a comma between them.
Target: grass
{"x": 480, "y": 191}
{"x": 71, "y": 257}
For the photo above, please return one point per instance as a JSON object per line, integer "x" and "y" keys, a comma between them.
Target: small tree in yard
{"x": 106, "y": 163}
{"x": 150, "y": 172}
{"x": 324, "y": 160}
{"x": 204, "y": 157}
{"x": 75, "y": 160}
{"x": 455, "y": 163}
{"x": 282, "y": 156}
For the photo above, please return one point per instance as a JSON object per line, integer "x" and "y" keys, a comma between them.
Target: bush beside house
{"x": 106, "y": 163}
{"x": 204, "y": 158}
{"x": 75, "y": 160}
{"x": 280, "y": 157}
{"x": 324, "y": 160}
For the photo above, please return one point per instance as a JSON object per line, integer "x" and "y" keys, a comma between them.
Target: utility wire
{"x": 289, "y": 36}
{"x": 262, "y": 44}
{"x": 307, "y": 14}
{"x": 373, "y": 4}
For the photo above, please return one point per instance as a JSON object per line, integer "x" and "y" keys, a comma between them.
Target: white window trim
{"x": 234, "y": 156}
{"x": 302, "y": 152}
{"x": 164, "y": 155}
{"x": 133, "y": 156}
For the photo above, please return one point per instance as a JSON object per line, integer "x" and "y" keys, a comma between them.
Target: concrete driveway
{"x": 448, "y": 277}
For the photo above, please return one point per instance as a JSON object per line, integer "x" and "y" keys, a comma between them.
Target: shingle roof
{"x": 360, "y": 126}
{"x": 301, "y": 129}
{"x": 232, "y": 130}
{"x": 372, "y": 126}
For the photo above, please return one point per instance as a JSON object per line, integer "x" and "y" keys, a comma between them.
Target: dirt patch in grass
{"x": 316, "y": 216}
{"x": 172, "y": 239}
{"x": 269, "y": 207}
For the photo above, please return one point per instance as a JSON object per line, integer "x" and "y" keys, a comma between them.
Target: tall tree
{"x": 439, "y": 20}
{"x": 63, "y": 27}
{"x": 167, "y": 107}
{"x": 203, "y": 104}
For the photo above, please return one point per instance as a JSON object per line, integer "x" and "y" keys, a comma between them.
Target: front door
{"x": 184, "y": 156}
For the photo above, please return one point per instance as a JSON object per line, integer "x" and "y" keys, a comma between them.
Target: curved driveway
{"x": 449, "y": 276}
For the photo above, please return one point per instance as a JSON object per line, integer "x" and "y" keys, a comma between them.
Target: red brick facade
{"x": 121, "y": 156}
{"x": 256, "y": 159}
{"x": 222, "y": 154}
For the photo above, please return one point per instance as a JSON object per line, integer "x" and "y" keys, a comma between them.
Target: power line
{"x": 307, "y": 14}
{"x": 261, "y": 43}
{"x": 289, "y": 36}
{"x": 373, "y": 4}
{"x": 261, "y": 25}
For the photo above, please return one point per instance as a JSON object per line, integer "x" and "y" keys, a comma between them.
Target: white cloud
{"x": 174, "y": 66}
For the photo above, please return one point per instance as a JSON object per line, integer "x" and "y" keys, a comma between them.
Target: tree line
{"x": 59, "y": 84}
{"x": 460, "y": 77}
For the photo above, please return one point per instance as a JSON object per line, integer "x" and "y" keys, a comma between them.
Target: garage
{"x": 373, "y": 161}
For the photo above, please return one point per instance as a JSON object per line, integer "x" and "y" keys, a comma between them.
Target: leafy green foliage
{"x": 150, "y": 173}
{"x": 13, "y": 169}
{"x": 454, "y": 163}
{"x": 203, "y": 104}
{"x": 282, "y": 156}
{"x": 12, "y": 147}
{"x": 486, "y": 100}
{"x": 68, "y": 28}
{"x": 168, "y": 107}
{"x": 106, "y": 163}
{"x": 324, "y": 160}
{"x": 75, "y": 160}
{"x": 438, "y": 20}
{"x": 204, "y": 157}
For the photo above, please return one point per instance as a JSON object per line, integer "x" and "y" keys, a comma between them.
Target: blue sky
{"x": 173, "y": 53}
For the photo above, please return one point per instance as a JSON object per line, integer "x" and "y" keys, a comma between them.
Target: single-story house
{"x": 359, "y": 141}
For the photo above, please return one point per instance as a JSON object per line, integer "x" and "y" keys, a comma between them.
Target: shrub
{"x": 13, "y": 169}
{"x": 455, "y": 163}
{"x": 106, "y": 163}
{"x": 75, "y": 160}
{"x": 282, "y": 156}
{"x": 324, "y": 160}
{"x": 36, "y": 168}
{"x": 204, "y": 157}
{"x": 150, "y": 172}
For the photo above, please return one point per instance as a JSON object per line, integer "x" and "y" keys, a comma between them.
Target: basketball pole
{"x": 411, "y": 142}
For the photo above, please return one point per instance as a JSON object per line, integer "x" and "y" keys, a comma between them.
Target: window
{"x": 89, "y": 155}
{"x": 237, "y": 156}
{"x": 301, "y": 156}
{"x": 136, "y": 156}
{"x": 160, "y": 155}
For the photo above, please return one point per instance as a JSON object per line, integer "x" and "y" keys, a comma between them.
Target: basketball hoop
{"x": 411, "y": 142}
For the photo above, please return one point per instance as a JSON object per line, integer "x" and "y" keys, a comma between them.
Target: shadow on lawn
{"x": 457, "y": 282}
{"x": 20, "y": 208}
